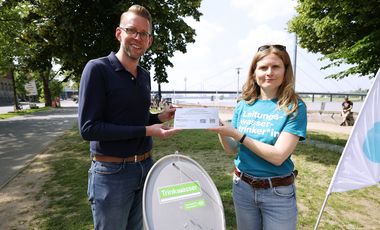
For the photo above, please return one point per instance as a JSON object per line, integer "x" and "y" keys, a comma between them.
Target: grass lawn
{"x": 327, "y": 137}
{"x": 67, "y": 200}
{"x": 22, "y": 112}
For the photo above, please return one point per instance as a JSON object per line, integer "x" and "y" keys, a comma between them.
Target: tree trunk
{"x": 159, "y": 91}
{"x": 16, "y": 104}
{"x": 47, "y": 93}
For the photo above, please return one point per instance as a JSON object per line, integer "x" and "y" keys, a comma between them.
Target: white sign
{"x": 196, "y": 118}
{"x": 31, "y": 89}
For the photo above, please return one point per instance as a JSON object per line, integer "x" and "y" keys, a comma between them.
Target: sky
{"x": 228, "y": 35}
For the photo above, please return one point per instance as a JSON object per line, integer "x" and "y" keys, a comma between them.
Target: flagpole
{"x": 320, "y": 212}
{"x": 328, "y": 192}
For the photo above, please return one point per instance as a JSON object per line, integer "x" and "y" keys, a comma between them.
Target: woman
{"x": 266, "y": 126}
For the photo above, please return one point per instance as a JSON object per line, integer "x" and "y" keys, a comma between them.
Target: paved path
{"x": 23, "y": 137}
{"x": 328, "y": 127}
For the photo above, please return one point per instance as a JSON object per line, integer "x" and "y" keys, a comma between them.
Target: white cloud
{"x": 266, "y": 10}
{"x": 206, "y": 32}
{"x": 191, "y": 65}
{"x": 262, "y": 35}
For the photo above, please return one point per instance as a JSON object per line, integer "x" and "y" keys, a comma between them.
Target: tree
{"x": 87, "y": 31}
{"x": 73, "y": 32}
{"x": 9, "y": 27}
{"x": 345, "y": 32}
{"x": 80, "y": 30}
{"x": 25, "y": 44}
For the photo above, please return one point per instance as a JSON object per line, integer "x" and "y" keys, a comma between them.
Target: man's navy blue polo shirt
{"x": 114, "y": 108}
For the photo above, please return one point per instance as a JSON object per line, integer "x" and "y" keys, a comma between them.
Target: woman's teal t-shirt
{"x": 264, "y": 121}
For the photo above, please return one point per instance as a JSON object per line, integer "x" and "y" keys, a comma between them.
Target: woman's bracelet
{"x": 242, "y": 138}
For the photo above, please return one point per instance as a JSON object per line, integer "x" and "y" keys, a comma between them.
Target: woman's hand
{"x": 167, "y": 114}
{"x": 227, "y": 136}
{"x": 226, "y": 130}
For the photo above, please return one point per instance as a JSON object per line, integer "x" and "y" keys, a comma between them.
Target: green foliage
{"x": 346, "y": 32}
{"x": 56, "y": 88}
{"x": 10, "y": 27}
{"x": 171, "y": 33}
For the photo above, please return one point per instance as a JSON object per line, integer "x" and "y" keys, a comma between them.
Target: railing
{"x": 313, "y": 96}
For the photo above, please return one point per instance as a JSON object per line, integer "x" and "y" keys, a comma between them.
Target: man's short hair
{"x": 140, "y": 11}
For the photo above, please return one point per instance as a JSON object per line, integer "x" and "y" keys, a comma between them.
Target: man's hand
{"x": 160, "y": 130}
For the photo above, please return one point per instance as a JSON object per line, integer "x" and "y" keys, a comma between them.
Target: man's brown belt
{"x": 113, "y": 159}
{"x": 266, "y": 183}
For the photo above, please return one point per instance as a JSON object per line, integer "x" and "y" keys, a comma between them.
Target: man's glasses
{"x": 265, "y": 47}
{"x": 133, "y": 32}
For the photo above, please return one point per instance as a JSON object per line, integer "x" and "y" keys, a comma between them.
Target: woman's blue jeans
{"x": 115, "y": 193}
{"x": 272, "y": 208}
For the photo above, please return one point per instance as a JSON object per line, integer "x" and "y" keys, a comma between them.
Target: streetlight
{"x": 237, "y": 90}
{"x": 185, "y": 79}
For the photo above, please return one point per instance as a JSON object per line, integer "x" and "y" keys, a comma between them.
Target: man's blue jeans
{"x": 115, "y": 193}
{"x": 272, "y": 208}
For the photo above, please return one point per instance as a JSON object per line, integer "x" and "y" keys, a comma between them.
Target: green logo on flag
{"x": 179, "y": 191}
{"x": 194, "y": 204}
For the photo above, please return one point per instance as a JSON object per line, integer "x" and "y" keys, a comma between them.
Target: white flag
{"x": 359, "y": 165}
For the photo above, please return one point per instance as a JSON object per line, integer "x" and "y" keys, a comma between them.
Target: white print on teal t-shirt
{"x": 259, "y": 123}
{"x": 264, "y": 121}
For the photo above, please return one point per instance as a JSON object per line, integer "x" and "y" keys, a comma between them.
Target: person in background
{"x": 347, "y": 115}
{"x": 114, "y": 101}
{"x": 268, "y": 122}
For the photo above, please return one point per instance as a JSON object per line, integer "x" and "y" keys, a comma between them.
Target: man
{"x": 347, "y": 116}
{"x": 114, "y": 100}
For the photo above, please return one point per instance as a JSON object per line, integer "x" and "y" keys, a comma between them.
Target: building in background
{"x": 69, "y": 94}
{"x": 6, "y": 91}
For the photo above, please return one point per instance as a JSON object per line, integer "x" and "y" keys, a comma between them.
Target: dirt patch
{"x": 20, "y": 199}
